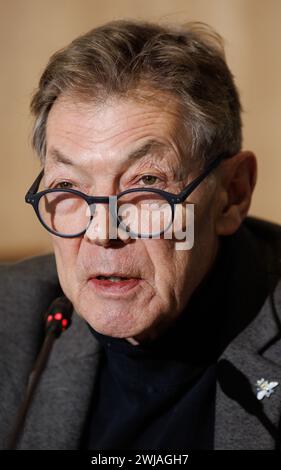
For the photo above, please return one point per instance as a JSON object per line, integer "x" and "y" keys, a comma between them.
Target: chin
{"x": 113, "y": 322}
{"x": 116, "y": 331}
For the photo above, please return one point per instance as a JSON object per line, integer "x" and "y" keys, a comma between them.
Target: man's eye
{"x": 149, "y": 179}
{"x": 64, "y": 185}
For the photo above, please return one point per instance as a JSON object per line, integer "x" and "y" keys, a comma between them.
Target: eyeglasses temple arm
{"x": 201, "y": 177}
{"x": 35, "y": 185}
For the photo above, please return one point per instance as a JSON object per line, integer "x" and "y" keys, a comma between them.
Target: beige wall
{"x": 30, "y": 30}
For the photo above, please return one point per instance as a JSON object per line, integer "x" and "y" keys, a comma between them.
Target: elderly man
{"x": 175, "y": 339}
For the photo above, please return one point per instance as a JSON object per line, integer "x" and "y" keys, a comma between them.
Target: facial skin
{"x": 98, "y": 142}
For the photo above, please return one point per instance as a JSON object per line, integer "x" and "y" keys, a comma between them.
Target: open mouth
{"x": 112, "y": 278}
{"x": 114, "y": 285}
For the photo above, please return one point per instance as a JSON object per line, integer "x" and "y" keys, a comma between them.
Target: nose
{"x": 103, "y": 230}
{"x": 98, "y": 229}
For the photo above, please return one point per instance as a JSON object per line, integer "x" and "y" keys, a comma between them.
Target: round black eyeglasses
{"x": 142, "y": 213}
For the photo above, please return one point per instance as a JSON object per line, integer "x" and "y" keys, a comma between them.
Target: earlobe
{"x": 238, "y": 179}
{"x": 229, "y": 221}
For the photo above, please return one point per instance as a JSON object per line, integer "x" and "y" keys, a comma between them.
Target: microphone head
{"x": 58, "y": 316}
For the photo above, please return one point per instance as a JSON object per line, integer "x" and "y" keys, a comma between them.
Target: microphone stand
{"x": 58, "y": 318}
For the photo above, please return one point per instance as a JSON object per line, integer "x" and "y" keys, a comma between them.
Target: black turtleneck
{"x": 161, "y": 395}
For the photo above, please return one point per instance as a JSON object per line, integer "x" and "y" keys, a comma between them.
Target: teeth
{"x": 112, "y": 278}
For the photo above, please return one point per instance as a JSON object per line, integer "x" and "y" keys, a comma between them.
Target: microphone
{"x": 58, "y": 316}
{"x": 57, "y": 319}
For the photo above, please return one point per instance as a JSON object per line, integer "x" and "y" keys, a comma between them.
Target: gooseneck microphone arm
{"x": 57, "y": 319}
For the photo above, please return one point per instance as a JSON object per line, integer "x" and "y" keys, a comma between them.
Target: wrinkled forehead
{"x": 116, "y": 127}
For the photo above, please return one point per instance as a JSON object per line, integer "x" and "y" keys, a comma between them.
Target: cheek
{"x": 66, "y": 252}
{"x": 170, "y": 267}
{"x": 178, "y": 272}
{"x": 206, "y": 211}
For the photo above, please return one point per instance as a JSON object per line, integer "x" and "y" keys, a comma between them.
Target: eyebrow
{"x": 147, "y": 147}
{"x": 59, "y": 157}
{"x": 136, "y": 154}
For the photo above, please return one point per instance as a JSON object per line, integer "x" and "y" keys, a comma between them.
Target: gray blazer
{"x": 58, "y": 413}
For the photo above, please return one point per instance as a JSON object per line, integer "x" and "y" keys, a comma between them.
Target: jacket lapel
{"x": 242, "y": 421}
{"x": 61, "y": 403}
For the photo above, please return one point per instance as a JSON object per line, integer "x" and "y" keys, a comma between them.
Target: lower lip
{"x": 110, "y": 287}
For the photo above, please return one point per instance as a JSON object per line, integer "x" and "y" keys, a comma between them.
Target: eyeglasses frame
{"x": 33, "y": 197}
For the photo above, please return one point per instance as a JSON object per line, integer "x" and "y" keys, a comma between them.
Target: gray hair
{"x": 124, "y": 58}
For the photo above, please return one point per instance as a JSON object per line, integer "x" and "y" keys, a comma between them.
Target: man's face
{"x": 107, "y": 153}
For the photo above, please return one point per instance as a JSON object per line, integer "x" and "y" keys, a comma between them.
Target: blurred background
{"x": 31, "y": 30}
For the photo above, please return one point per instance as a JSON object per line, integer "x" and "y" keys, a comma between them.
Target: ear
{"x": 238, "y": 179}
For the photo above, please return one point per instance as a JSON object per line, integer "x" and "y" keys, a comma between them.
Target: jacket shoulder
{"x": 43, "y": 267}
{"x": 267, "y": 238}
{"x": 265, "y": 231}
{"x": 26, "y": 290}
